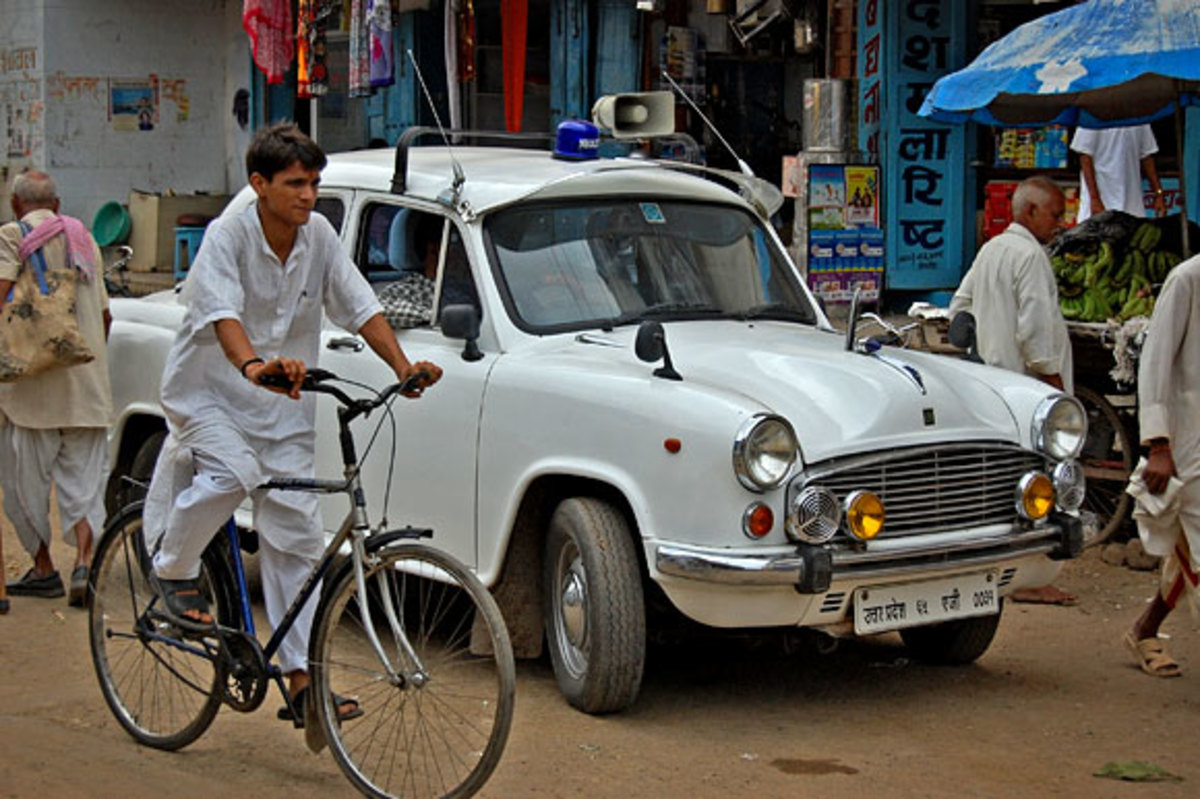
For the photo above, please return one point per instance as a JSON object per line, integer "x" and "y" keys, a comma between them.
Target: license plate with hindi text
{"x": 878, "y": 609}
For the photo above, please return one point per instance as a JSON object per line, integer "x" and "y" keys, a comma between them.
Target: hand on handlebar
{"x": 423, "y": 373}
{"x": 291, "y": 369}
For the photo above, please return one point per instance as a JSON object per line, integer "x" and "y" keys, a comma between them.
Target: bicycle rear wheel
{"x": 442, "y": 738}
{"x": 163, "y": 689}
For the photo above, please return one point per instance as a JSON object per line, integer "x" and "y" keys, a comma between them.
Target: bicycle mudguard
{"x": 376, "y": 542}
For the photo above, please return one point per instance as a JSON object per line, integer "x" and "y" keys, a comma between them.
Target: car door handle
{"x": 345, "y": 343}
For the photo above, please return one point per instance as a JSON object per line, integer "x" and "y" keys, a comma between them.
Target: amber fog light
{"x": 757, "y": 521}
{"x": 1035, "y": 496}
{"x": 864, "y": 515}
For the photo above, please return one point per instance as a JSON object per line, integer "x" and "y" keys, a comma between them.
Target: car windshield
{"x": 608, "y": 263}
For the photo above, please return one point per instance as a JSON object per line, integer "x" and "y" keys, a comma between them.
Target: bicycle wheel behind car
{"x": 439, "y": 728}
{"x": 163, "y": 689}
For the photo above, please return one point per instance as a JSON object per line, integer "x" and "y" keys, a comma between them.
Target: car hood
{"x": 843, "y": 402}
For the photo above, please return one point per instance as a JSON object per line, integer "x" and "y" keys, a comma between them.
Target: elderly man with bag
{"x": 53, "y": 424}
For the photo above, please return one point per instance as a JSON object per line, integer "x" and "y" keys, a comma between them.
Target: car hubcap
{"x": 572, "y": 603}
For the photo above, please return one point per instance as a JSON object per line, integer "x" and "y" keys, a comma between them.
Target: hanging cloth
{"x": 304, "y": 18}
{"x": 318, "y": 72}
{"x": 359, "y": 79}
{"x": 269, "y": 26}
{"x": 466, "y": 40}
{"x": 514, "y": 19}
{"x": 379, "y": 32}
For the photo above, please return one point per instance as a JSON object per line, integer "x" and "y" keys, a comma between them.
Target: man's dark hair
{"x": 277, "y": 147}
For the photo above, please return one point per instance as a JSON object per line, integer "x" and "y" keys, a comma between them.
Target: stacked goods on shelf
{"x": 1112, "y": 266}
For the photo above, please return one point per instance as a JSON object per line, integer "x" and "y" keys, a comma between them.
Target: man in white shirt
{"x": 1169, "y": 418}
{"x": 1111, "y": 162}
{"x": 1011, "y": 291}
{"x": 257, "y": 291}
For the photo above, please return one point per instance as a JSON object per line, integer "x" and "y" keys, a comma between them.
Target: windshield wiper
{"x": 777, "y": 310}
{"x": 678, "y": 310}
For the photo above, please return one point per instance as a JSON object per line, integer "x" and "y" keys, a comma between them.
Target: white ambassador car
{"x": 642, "y": 400}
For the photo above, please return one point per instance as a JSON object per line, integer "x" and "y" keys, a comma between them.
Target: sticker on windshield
{"x": 652, "y": 213}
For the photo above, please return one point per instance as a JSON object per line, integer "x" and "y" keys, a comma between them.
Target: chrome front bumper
{"x": 811, "y": 569}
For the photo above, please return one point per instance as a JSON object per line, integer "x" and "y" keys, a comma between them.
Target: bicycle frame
{"x": 354, "y": 529}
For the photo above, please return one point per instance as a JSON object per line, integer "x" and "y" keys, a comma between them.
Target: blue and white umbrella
{"x": 1103, "y": 63}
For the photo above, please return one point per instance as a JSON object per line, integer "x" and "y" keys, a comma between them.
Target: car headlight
{"x": 764, "y": 452}
{"x": 1059, "y": 427}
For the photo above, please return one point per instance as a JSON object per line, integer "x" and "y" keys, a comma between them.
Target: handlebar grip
{"x": 312, "y": 378}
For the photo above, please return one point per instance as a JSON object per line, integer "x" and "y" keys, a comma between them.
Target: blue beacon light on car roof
{"x": 577, "y": 140}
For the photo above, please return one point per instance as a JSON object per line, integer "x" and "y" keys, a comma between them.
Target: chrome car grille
{"x": 934, "y": 489}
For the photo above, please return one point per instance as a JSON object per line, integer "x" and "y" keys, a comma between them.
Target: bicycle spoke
{"x": 443, "y": 733}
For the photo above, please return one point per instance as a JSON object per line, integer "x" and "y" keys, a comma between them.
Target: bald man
{"x": 1013, "y": 295}
{"x": 1012, "y": 292}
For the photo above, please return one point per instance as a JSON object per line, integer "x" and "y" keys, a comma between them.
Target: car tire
{"x": 141, "y": 469}
{"x": 594, "y": 609}
{"x": 952, "y": 643}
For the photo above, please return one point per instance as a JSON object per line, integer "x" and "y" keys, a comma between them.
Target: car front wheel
{"x": 595, "y": 616}
{"x": 952, "y": 643}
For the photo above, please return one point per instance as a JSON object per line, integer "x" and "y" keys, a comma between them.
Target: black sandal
{"x": 179, "y": 597}
{"x": 285, "y": 713}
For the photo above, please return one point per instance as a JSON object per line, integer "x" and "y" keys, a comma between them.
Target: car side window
{"x": 458, "y": 286}
{"x": 399, "y": 250}
{"x": 332, "y": 209}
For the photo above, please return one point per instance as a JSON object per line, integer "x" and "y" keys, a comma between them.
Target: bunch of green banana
{"x": 1160, "y": 263}
{"x": 1140, "y": 299}
{"x": 1146, "y": 237}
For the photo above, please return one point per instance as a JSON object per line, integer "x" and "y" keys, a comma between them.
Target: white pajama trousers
{"x": 288, "y": 524}
{"x": 73, "y": 460}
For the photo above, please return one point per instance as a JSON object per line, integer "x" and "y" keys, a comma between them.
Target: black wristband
{"x": 255, "y": 359}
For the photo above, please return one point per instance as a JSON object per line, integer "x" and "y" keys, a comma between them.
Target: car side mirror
{"x": 462, "y": 321}
{"x": 962, "y": 333}
{"x": 651, "y": 345}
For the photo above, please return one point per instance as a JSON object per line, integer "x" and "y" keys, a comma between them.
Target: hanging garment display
{"x": 359, "y": 78}
{"x": 379, "y": 32}
{"x": 514, "y": 18}
{"x": 268, "y": 23}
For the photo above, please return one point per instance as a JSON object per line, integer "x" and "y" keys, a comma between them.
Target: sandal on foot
{"x": 1152, "y": 657}
{"x": 180, "y": 596}
{"x": 78, "y": 591}
{"x": 298, "y": 701}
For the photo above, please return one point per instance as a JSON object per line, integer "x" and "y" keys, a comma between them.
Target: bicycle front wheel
{"x": 439, "y": 730}
{"x": 163, "y": 689}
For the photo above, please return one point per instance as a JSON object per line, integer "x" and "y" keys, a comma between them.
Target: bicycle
{"x": 116, "y": 282}
{"x": 404, "y": 627}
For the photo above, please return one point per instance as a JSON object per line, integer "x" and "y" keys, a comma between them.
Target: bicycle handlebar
{"x": 315, "y": 381}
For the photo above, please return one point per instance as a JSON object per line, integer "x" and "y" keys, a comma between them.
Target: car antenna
{"x": 459, "y": 179}
{"x": 742, "y": 165}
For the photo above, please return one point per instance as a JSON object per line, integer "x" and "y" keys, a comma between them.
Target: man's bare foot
{"x": 1043, "y": 595}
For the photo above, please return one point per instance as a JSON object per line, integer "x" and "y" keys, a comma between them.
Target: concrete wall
{"x": 183, "y": 59}
{"x": 21, "y": 99}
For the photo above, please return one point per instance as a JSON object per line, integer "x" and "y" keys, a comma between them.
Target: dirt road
{"x": 1053, "y": 700}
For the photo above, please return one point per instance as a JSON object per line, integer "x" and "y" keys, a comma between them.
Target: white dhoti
{"x": 201, "y": 478}
{"x": 73, "y": 460}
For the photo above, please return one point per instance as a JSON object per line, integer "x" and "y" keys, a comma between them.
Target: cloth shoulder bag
{"x": 38, "y": 327}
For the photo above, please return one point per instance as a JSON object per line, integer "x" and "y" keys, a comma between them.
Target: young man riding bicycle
{"x": 258, "y": 289}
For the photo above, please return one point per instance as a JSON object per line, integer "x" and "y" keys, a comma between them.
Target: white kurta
{"x": 252, "y": 433}
{"x": 1013, "y": 295}
{"x": 1117, "y": 155}
{"x": 1169, "y": 398}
